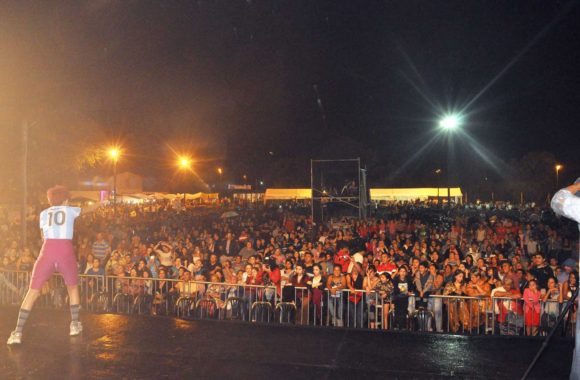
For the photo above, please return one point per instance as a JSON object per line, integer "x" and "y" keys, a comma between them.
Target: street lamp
{"x": 449, "y": 123}
{"x": 438, "y": 174}
{"x": 221, "y": 183}
{"x": 184, "y": 162}
{"x": 114, "y": 154}
{"x": 558, "y": 168}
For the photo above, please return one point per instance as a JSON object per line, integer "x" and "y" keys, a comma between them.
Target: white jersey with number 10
{"x": 57, "y": 222}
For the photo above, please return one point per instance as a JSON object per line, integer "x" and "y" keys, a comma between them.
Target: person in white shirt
{"x": 56, "y": 254}
{"x": 566, "y": 202}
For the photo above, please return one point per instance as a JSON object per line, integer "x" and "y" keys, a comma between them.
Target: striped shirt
{"x": 57, "y": 222}
{"x": 100, "y": 249}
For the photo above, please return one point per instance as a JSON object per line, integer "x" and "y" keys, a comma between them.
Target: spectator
{"x": 354, "y": 282}
{"x": 476, "y": 308}
{"x": 509, "y": 313}
{"x": 423, "y": 284}
{"x": 457, "y": 309}
{"x": 228, "y": 247}
{"x": 435, "y": 304}
{"x": 247, "y": 251}
{"x": 541, "y": 271}
{"x": 96, "y": 269}
{"x": 532, "y": 308}
{"x": 26, "y": 261}
{"x": 299, "y": 281}
{"x": 403, "y": 288}
{"x": 336, "y": 283}
{"x": 370, "y": 284}
{"x": 552, "y": 300}
{"x": 161, "y": 293}
{"x": 317, "y": 285}
{"x": 100, "y": 247}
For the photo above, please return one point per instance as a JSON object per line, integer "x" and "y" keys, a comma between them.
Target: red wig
{"x": 57, "y": 195}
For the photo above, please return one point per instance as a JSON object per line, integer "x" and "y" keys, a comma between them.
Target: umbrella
{"x": 229, "y": 214}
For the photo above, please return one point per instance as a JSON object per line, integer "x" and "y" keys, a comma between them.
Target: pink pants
{"x": 55, "y": 255}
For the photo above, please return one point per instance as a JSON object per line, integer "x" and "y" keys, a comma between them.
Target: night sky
{"x": 260, "y": 87}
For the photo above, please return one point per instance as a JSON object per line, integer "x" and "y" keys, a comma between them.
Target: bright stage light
{"x": 184, "y": 162}
{"x": 450, "y": 122}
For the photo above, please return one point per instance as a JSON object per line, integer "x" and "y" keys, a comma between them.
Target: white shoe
{"x": 15, "y": 338}
{"x": 76, "y": 328}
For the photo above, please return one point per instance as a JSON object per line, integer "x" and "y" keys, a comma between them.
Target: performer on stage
{"x": 56, "y": 254}
{"x": 566, "y": 202}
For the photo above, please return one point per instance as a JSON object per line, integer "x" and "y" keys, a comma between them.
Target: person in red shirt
{"x": 386, "y": 265}
{"x": 273, "y": 272}
{"x": 343, "y": 259}
{"x": 506, "y": 307}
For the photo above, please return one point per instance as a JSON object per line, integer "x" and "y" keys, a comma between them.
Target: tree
{"x": 533, "y": 175}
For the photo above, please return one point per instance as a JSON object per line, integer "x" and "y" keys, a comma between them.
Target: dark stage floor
{"x": 136, "y": 347}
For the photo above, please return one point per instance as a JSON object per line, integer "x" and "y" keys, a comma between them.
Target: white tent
{"x": 411, "y": 194}
{"x": 86, "y": 195}
{"x": 287, "y": 194}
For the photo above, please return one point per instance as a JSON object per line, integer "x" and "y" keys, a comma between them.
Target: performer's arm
{"x": 567, "y": 204}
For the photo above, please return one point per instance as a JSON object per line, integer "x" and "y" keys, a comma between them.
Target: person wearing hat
{"x": 566, "y": 202}
{"x": 567, "y": 267}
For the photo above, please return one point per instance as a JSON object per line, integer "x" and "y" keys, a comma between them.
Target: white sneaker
{"x": 75, "y": 328}
{"x": 15, "y": 338}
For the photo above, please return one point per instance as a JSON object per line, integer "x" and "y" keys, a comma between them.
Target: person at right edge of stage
{"x": 56, "y": 254}
{"x": 566, "y": 202}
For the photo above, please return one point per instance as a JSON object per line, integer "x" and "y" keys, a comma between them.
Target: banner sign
{"x": 239, "y": 187}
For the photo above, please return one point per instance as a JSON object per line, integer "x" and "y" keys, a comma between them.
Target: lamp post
{"x": 221, "y": 187}
{"x": 558, "y": 168}
{"x": 449, "y": 124}
{"x": 438, "y": 174}
{"x": 114, "y": 154}
{"x": 184, "y": 163}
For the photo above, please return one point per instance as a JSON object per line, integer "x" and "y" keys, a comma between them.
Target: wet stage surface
{"x": 143, "y": 347}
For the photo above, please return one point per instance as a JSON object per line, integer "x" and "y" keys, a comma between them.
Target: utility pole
{"x": 24, "y": 206}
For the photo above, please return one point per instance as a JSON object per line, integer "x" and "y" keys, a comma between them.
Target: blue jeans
{"x": 355, "y": 314}
{"x": 335, "y": 306}
{"x": 435, "y": 305}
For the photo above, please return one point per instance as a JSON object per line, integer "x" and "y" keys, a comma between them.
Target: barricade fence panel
{"x": 350, "y": 308}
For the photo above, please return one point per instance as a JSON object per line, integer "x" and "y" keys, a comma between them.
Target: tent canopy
{"x": 413, "y": 193}
{"x": 376, "y": 194}
{"x": 287, "y": 194}
{"x": 203, "y": 196}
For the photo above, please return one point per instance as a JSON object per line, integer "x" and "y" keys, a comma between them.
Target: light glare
{"x": 449, "y": 122}
{"x": 114, "y": 153}
{"x": 184, "y": 162}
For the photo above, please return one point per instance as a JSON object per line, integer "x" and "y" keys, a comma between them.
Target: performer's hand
{"x": 574, "y": 188}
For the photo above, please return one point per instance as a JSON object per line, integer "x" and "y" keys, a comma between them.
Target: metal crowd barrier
{"x": 13, "y": 286}
{"x": 296, "y": 305}
{"x": 510, "y": 317}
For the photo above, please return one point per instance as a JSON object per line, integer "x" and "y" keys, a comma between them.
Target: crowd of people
{"x": 410, "y": 257}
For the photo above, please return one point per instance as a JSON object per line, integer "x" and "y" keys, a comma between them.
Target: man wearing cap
{"x": 568, "y": 266}
{"x": 566, "y": 202}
